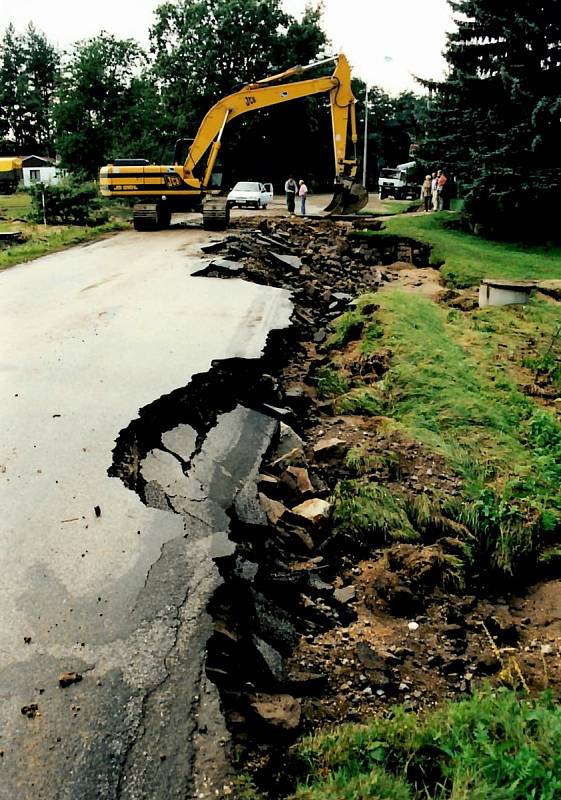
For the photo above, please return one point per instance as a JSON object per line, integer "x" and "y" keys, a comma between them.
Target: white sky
{"x": 385, "y": 40}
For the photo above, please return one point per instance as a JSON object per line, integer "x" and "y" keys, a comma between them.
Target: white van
{"x": 251, "y": 194}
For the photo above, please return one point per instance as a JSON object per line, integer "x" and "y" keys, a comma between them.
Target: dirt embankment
{"x": 318, "y": 622}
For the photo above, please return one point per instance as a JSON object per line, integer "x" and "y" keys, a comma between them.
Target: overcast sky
{"x": 385, "y": 40}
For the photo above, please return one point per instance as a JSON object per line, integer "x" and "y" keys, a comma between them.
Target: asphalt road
{"x": 90, "y": 336}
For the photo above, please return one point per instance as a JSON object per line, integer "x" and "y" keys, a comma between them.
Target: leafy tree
{"x": 106, "y": 107}
{"x": 496, "y": 119}
{"x": 28, "y": 70}
{"x": 205, "y": 49}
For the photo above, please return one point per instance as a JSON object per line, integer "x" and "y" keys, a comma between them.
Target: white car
{"x": 251, "y": 194}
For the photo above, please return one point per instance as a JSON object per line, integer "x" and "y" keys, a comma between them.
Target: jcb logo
{"x": 250, "y": 101}
{"x": 172, "y": 180}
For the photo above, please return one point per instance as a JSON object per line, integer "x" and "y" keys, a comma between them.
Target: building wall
{"x": 46, "y": 175}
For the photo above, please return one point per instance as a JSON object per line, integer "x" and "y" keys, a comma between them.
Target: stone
{"x": 368, "y": 657}
{"x": 314, "y": 510}
{"x": 453, "y": 631}
{"x": 413, "y": 626}
{"x": 292, "y": 263}
{"x": 268, "y": 484}
{"x": 30, "y": 711}
{"x": 345, "y": 595}
{"x": 303, "y": 683}
{"x": 67, "y": 678}
{"x": 271, "y": 661}
{"x": 272, "y": 508}
{"x": 274, "y": 624}
{"x": 331, "y": 447}
{"x": 282, "y": 712}
{"x": 288, "y": 440}
{"x": 297, "y": 481}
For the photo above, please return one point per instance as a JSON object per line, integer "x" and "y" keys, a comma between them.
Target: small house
{"x": 37, "y": 169}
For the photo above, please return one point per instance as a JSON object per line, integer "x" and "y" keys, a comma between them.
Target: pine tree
{"x": 496, "y": 119}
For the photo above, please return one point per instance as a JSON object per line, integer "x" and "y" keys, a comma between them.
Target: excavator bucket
{"x": 349, "y": 198}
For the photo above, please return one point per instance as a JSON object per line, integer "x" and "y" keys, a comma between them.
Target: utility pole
{"x": 365, "y": 154}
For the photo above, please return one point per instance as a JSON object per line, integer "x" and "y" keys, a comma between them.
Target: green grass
{"x": 462, "y": 402}
{"x": 13, "y": 206}
{"x": 467, "y": 258}
{"x": 41, "y": 240}
{"x": 491, "y": 746}
{"x": 45, "y": 240}
{"x": 371, "y": 513}
{"x": 452, "y": 385}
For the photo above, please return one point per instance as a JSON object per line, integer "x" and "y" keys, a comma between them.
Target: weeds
{"x": 330, "y": 383}
{"x": 371, "y": 513}
{"x": 491, "y": 745}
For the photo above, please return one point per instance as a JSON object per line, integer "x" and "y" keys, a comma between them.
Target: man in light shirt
{"x": 302, "y": 194}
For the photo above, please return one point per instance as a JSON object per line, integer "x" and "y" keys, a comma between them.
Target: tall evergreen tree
{"x": 496, "y": 120}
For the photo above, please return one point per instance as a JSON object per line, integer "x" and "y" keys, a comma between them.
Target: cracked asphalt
{"x": 90, "y": 336}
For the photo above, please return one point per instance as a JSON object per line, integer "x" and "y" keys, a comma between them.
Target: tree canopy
{"x": 106, "y": 97}
{"x": 496, "y": 119}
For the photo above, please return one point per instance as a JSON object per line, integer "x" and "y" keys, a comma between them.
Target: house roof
{"x": 37, "y": 161}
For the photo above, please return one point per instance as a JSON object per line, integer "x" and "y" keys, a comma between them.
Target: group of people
{"x": 293, "y": 189}
{"x": 433, "y": 191}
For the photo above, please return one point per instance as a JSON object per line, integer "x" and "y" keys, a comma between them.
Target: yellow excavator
{"x": 190, "y": 185}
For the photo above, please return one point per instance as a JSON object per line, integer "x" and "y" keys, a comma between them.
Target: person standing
{"x": 302, "y": 194}
{"x": 441, "y": 190}
{"x": 290, "y": 189}
{"x": 434, "y": 187}
{"x": 426, "y": 192}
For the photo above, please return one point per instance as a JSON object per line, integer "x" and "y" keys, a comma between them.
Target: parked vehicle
{"x": 251, "y": 194}
{"x": 400, "y": 182}
{"x": 10, "y": 174}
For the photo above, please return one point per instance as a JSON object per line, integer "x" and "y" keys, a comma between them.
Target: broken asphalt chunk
{"x": 220, "y": 267}
{"x": 293, "y": 263}
{"x": 214, "y": 247}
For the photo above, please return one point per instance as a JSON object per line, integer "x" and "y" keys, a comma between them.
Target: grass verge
{"x": 467, "y": 258}
{"x": 41, "y": 240}
{"x": 452, "y": 385}
{"x": 45, "y": 240}
{"x": 492, "y": 745}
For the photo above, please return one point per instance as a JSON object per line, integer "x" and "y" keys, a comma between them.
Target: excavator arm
{"x": 270, "y": 92}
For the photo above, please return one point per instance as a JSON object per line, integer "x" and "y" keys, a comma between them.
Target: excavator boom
{"x": 185, "y": 185}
